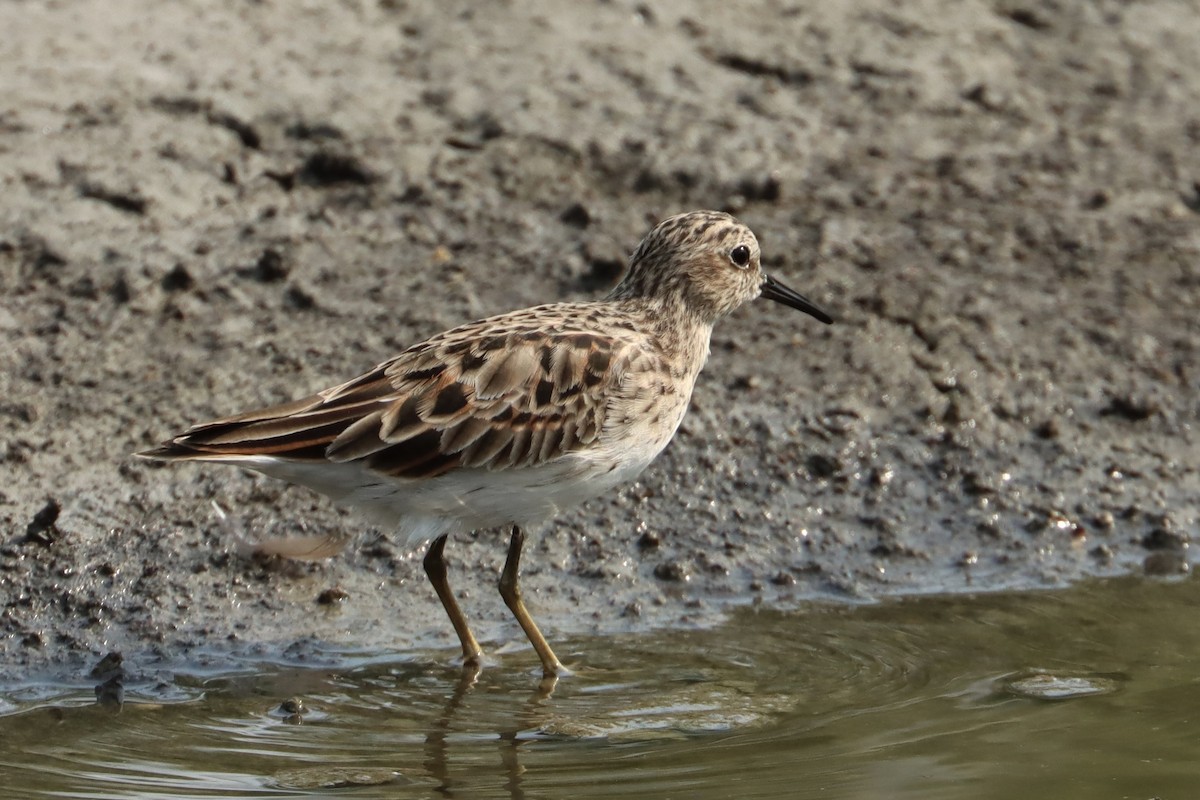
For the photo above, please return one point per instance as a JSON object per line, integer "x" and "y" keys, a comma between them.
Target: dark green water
{"x": 907, "y": 699}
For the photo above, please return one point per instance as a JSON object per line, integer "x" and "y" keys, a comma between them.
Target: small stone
{"x": 1163, "y": 539}
{"x": 1097, "y": 200}
{"x": 269, "y": 268}
{"x": 1043, "y": 686}
{"x": 649, "y": 540}
{"x": 671, "y": 571}
{"x": 178, "y": 279}
{"x": 603, "y": 271}
{"x": 293, "y": 705}
{"x": 40, "y": 528}
{"x": 823, "y": 466}
{"x": 1048, "y": 429}
{"x": 111, "y": 662}
{"x": 1131, "y": 407}
{"x": 576, "y": 215}
{"x": 333, "y": 596}
{"x": 325, "y": 168}
{"x": 299, "y": 299}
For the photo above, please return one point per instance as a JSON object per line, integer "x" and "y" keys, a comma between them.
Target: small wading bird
{"x": 508, "y": 420}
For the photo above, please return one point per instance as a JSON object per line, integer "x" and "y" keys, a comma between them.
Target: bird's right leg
{"x": 435, "y": 568}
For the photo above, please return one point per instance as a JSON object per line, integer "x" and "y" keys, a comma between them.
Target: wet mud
{"x": 210, "y": 207}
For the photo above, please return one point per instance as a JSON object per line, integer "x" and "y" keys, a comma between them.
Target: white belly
{"x": 462, "y": 500}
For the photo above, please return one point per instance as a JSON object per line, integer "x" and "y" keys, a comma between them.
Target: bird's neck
{"x": 681, "y": 335}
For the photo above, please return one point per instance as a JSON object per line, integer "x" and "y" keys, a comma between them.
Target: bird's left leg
{"x": 510, "y": 590}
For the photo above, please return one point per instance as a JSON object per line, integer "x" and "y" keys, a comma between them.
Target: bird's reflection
{"x": 529, "y": 716}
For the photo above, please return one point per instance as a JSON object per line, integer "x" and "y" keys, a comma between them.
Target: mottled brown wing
{"x": 515, "y": 398}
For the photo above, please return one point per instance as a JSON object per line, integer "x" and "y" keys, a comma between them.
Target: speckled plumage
{"x": 512, "y": 418}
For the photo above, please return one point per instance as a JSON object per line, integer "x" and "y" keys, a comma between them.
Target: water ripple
{"x": 909, "y": 699}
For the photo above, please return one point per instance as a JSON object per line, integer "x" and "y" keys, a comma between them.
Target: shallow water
{"x": 934, "y": 697}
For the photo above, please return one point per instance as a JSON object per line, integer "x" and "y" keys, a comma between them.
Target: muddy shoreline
{"x": 209, "y": 208}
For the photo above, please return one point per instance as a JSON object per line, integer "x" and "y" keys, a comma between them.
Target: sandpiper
{"x": 508, "y": 420}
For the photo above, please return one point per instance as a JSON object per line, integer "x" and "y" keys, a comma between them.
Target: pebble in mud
{"x": 293, "y": 710}
{"x": 178, "y": 279}
{"x": 110, "y": 671}
{"x": 269, "y": 268}
{"x": 783, "y": 579}
{"x": 1047, "y": 686}
{"x": 1161, "y": 538}
{"x": 649, "y": 540}
{"x": 41, "y": 529}
{"x": 672, "y": 571}
{"x": 338, "y": 778}
{"x": 111, "y": 663}
{"x": 333, "y": 596}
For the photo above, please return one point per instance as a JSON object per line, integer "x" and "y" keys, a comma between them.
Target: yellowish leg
{"x": 435, "y": 568}
{"x": 510, "y": 590}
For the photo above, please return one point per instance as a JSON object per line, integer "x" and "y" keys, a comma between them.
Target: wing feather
{"x": 513, "y": 391}
{"x": 464, "y": 434}
{"x": 359, "y": 440}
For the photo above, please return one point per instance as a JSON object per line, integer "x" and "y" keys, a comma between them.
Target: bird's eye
{"x": 740, "y": 255}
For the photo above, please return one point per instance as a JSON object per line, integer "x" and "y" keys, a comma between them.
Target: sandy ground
{"x": 209, "y": 206}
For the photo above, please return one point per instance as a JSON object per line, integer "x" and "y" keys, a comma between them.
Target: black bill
{"x": 774, "y": 290}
